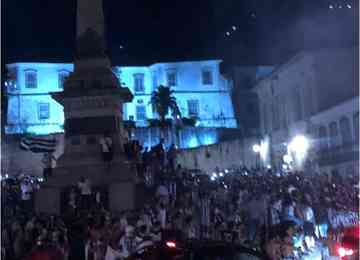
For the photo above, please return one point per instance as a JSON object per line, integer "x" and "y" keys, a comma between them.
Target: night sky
{"x": 147, "y": 31}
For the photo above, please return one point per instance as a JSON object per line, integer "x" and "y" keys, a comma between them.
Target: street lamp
{"x": 257, "y": 149}
{"x": 287, "y": 159}
{"x": 299, "y": 145}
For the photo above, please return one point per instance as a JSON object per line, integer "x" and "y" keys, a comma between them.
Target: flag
{"x": 38, "y": 145}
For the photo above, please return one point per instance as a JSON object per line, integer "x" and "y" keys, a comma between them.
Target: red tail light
{"x": 171, "y": 244}
{"x": 345, "y": 252}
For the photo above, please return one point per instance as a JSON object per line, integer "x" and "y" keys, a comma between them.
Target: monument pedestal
{"x": 119, "y": 181}
{"x": 93, "y": 101}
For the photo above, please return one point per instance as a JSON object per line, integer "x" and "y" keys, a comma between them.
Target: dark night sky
{"x": 163, "y": 30}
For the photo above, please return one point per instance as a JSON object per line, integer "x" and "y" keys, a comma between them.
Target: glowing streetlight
{"x": 300, "y": 144}
{"x": 287, "y": 159}
{"x": 256, "y": 148}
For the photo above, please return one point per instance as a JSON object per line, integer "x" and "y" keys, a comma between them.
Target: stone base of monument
{"x": 119, "y": 180}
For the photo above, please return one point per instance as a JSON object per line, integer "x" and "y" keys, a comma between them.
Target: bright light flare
{"x": 256, "y": 148}
{"x": 171, "y": 244}
{"x": 287, "y": 158}
{"x": 300, "y": 144}
{"x": 345, "y": 252}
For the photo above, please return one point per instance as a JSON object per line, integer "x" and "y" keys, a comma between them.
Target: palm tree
{"x": 163, "y": 102}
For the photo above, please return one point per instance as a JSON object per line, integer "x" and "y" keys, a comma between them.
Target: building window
{"x": 61, "y": 78}
{"x": 323, "y": 138}
{"x": 43, "y": 111}
{"x": 75, "y": 140}
{"x": 30, "y": 79}
{"x": 276, "y": 113}
{"x": 265, "y": 119}
{"x": 91, "y": 140}
{"x": 345, "y": 131}
{"x": 193, "y": 108}
{"x": 298, "y": 115}
{"x": 154, "y": 82}
{"x": 139, "y": 82}
{"x": 333, "y": 134}
{"x": 140, "y": 113}
{"x": 207, "y": 77}
{"x": 171, "y": 78}
{"x": 356, "y": 127}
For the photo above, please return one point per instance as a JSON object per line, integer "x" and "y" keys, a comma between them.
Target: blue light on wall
{"x": 209, "y": 139}
{"x": 193, "y": 142}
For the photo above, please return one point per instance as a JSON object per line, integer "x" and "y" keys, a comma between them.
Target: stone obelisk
{"x": 92, "y": 99}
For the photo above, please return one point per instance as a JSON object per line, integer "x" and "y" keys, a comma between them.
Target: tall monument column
{"x": 92, "y": 99}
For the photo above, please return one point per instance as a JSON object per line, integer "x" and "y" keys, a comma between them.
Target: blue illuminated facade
{"x": 200, "y": 91}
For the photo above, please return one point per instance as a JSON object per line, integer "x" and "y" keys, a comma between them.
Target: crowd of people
{"x": 284, "y": 215}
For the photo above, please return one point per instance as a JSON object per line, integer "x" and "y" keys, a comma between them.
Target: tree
{"x": 163, "y": 102}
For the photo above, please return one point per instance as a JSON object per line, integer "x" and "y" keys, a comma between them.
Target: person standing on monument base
{"x": 107, "y": 149}
{"x": 85, "y": 192}
{"x": 47, "y": 161}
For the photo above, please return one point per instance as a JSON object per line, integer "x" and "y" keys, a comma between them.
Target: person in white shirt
{"x": 26, "y": 192}
{"x": 162, "y": 215}
{"x": 106, "y": 143}
{"x": 162, "y": 193}
{"x": 85, "y": 192}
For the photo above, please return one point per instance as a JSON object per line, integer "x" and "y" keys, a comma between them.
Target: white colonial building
{"x": 314, "y": 95}
{"x": 200, "y": 90}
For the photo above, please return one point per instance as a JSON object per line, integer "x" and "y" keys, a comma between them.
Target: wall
{"x": 245, "y": 101}
{"x": 215, "y": 105}
{"x": 336, "y": 74}
{"x": 23, "y": 102}
{"x": 223, "y": 155}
